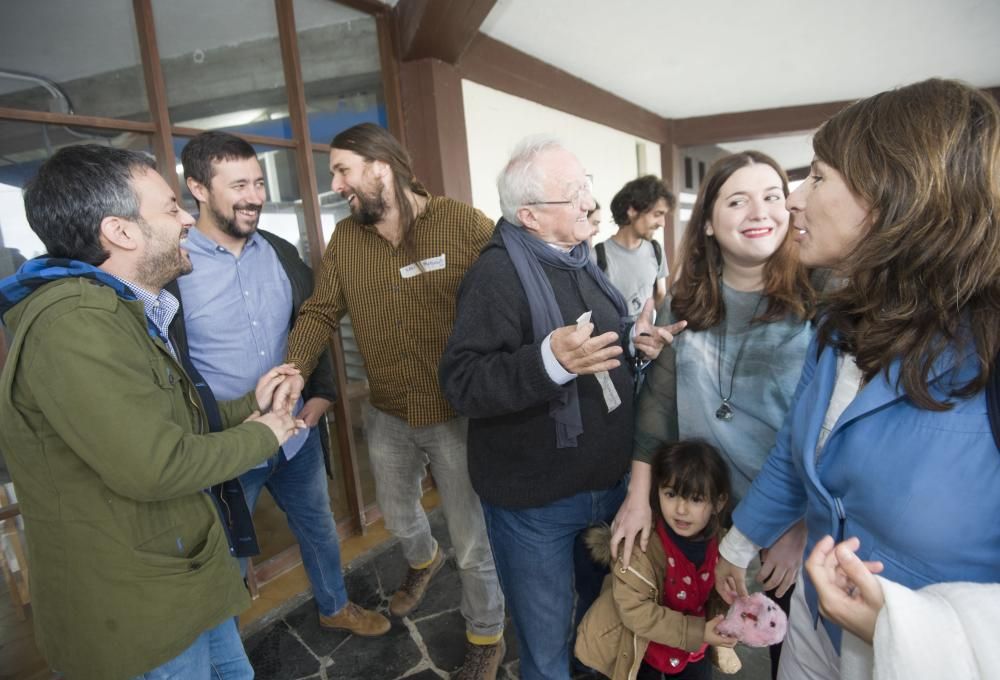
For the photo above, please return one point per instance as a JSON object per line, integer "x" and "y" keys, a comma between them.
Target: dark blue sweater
{"x": 492, "y": 372}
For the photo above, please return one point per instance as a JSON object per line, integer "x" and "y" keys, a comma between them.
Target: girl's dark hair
{"x": 693, "y": 468}
{"x": 696, "y": 294}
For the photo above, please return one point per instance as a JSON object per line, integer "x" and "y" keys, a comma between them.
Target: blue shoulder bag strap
{"x": 993, "y": 401}
{"x": 228, "y": 496}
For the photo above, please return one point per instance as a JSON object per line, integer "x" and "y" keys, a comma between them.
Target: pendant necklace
{"x": 725, "y": 410}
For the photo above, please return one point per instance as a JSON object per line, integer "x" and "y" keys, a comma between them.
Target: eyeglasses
{"x": 576, "y": 200}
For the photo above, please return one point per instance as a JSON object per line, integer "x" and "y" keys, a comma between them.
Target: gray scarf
{"x": 528, "y": 254}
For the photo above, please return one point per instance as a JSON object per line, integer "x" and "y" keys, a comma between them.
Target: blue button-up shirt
{"x": 160, "y": 309}
{"x": 238, "y": 313}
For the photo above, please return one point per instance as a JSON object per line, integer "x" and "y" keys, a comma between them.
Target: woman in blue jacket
{"x": 888, "y": 439}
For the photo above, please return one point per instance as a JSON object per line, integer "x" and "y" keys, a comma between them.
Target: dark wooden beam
{"x": 745, "y": 125}
{"x": 306, "y": 170}
{"x": 179, "y": 131}
{"x": 388, "y": 49}
{"x": 373, "y": 7}
{"x": 795, "y": 174}
{"x": 494, "y": 64}
{"x": 728, "y": 127}
{"x": 439, "y": 29}
{"x": 156, "y": 91}
{"x": 435, "y": 127}
{"x": 74, "y": 121}
{"x": 668, "y": 160}
{"x": 9, "y": 511}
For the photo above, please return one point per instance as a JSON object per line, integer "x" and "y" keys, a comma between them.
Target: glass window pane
{"x": 222, "y": 65}
{"x": 56, "y": 55}
{"x": 338, "y": 49}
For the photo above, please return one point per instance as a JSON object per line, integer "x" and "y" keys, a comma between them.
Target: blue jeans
{"x": 299, "y": 487}
{"x": 399, "y": 455}
{"x": 536, "y": 553}
{"x": 217, "y": 654}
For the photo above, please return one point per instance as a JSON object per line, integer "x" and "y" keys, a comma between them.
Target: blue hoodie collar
{"x": 43, "y": 270}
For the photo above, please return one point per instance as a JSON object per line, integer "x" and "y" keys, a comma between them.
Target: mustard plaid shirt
{"x": 401, "y": 322}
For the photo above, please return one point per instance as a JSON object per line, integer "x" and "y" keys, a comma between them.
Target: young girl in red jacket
{"x": 649, "y": 622}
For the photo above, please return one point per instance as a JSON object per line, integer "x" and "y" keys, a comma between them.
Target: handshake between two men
{"x": 278, "y": 392}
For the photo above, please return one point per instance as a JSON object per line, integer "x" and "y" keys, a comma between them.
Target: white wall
{"x": 495, "y": 122}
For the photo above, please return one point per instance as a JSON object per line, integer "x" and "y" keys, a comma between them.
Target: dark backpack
{"x": 602, "y": 257}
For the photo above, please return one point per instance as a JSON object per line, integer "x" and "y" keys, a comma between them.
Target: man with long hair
{"x": 394, "y": 265}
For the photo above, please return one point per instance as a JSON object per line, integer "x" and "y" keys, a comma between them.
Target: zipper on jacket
{"x": 841, "y": 518}
{"x": 643, "y": 579}
{"x": 199, "y": 418}
{"x": 636, "y": 661}
{"x": 633, "y": 672}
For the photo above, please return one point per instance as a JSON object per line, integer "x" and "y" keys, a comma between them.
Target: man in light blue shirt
{"x": 238, "y": 307}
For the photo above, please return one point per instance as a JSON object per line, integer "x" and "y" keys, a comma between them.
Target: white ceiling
{"x": 705, "y": 57}
{"x": 677, "y": 59}
{"x": 792, "y": 151}
{"x": 702, "y": 57}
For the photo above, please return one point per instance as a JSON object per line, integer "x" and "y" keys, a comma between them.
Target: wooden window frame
{"x": 162, "y": 132}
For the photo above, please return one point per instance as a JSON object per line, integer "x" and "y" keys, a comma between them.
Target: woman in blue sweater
{"x": 888, "y": 439}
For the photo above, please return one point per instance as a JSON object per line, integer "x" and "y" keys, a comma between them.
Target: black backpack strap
{"x": 230, "y": 502}
{"x": 658, "y": 251}
{"x": 993, "y": 401}
{"x": 602, "y": 257}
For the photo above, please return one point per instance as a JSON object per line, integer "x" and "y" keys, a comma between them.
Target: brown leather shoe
{"x": 414, "y": 586}
{"x": 356, "y": 620}
{"x": 481, "y": 661}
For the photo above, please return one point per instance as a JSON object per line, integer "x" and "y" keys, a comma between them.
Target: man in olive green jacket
{"x": 106, "y": 434}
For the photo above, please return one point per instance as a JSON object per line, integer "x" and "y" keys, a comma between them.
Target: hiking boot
{"x": 481, "y": 661}
{"x": 356, "y": 620}
{"x": 414, "y": 586}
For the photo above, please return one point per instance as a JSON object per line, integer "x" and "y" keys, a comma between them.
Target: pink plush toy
{"x": 756, "y": 621}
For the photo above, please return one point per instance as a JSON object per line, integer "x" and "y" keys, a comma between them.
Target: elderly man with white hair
{"x": 541, "y": 359}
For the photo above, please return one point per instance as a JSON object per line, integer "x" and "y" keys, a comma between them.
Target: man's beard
{"x": 371, "y": 208}
{"x": 158, "y": 269}
{"x": 228, "y": 224}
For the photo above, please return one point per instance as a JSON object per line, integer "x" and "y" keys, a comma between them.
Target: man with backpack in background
{"x": 632, "y": 260}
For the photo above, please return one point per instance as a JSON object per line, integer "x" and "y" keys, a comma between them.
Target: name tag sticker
{"x": 429, "y": 265}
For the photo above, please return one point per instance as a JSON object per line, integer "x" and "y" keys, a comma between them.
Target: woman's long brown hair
{"x": 696, "y": 294}
{"x": 924, "y": 281}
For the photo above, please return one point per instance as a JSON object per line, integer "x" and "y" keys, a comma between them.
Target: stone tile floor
{"x": 427, "y": 644}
